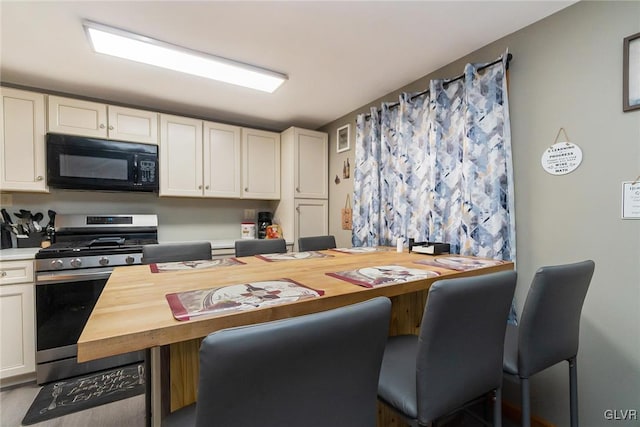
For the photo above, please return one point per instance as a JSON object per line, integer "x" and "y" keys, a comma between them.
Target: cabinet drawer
{"x": 13, "y": 272}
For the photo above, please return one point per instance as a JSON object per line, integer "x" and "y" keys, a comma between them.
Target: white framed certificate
{"x": 631, "y": 200}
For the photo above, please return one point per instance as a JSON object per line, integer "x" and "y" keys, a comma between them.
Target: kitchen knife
{"x": 27, "y": 221}
{"x": 5, "y": 216}
{"x": 36, "y": 221}
{"x": 7, "y": 219}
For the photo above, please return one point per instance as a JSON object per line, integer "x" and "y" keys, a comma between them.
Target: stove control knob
{"x": 76, "y": 262}
{"x": 103, "y": 261}
{"x": 57, "y": 264}
{"x": 129, "y": 259}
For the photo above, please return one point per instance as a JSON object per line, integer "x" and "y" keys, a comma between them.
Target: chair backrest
{"x": 260, "y": 246}
{"x": 549, "y": 327}
{"x": 316, "y": 370}
{"x": 462, "y": 341}
{"x": 170, "y": 252}
{"x": 316, "y": 243}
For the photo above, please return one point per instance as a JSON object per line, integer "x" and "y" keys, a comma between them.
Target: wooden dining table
{"x": 133, "y": 312}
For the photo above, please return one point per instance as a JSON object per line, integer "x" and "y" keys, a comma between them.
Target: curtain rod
{"x": 461, "y": 76}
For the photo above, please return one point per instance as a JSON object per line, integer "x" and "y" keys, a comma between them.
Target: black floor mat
{"x": 76, "y": 394}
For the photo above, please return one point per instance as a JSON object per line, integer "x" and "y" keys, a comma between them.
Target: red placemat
{"x": 289, "y": 256}
{"x": 371, "y": 277}
{"x": 193, "y": 265}
{"x": 239, "y": 297}
{"x": 459, "y": 263}
{"x": 363, "y": 249}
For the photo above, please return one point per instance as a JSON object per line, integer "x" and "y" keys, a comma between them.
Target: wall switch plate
{"x": 250, "y": 214}
{"x": 6, "y": 200}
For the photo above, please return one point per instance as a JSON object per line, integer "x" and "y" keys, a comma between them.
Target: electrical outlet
{"x": 6, "y": 200}
{"x": 249, "y": 214}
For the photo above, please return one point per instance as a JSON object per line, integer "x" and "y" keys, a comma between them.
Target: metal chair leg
{"x": 573, "y": 391}
{"x": 526, "y": 402}
{"x": 497, "y": 408}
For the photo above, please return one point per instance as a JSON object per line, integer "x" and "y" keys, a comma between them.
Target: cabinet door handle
{"x": 246, "y": 188}
{"x": 206, "y": 187}
{"x": 3, "y": 274}
{"x": 39, "y": 178}
{"x": 298, "y": 209}
{"x": 101, "y": 126}
{"x": 298, "y": 189}
{"x": 110, "y": 127}
{"x": 199, "y": 187}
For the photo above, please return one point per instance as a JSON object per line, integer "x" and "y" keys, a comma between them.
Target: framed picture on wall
{"x": 631, "y": 73}
{"x": 342, "y": 138}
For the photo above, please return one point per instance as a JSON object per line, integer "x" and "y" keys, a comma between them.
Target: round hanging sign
{"x": 561, "y": 158}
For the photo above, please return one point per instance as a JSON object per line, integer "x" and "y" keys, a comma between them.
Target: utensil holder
{"x": 31, "y": 241}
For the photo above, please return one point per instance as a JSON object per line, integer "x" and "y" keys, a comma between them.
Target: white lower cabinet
{"x": 17, "y": 312}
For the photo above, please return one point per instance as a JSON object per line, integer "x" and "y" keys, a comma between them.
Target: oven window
{"x": 93, "y": 167}
{"x": 62, "y": 310}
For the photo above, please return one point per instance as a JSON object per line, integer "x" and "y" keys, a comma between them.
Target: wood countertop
{"x": 132, "y": 312}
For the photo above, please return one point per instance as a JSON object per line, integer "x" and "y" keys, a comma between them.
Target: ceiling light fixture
{"x": 123, "y": 44}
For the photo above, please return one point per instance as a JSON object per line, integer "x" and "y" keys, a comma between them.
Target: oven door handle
{"x": 66, "y": 277}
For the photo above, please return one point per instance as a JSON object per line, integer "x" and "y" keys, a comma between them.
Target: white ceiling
{"x": 338, "y": 55}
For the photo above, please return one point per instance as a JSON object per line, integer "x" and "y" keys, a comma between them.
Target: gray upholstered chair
{"x": 549, "y": 329}
{"x": 316, "y": 243}
{"x": 170, "y": 252}
{"x": 457, "y": 358}
{"x": 260, "y": 246}
{"x": 317, "y": 370}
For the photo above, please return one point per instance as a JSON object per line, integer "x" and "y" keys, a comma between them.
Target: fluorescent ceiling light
{"x": 115, "y": 42}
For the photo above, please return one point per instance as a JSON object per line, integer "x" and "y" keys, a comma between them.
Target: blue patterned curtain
{"x": 438, "y": 167}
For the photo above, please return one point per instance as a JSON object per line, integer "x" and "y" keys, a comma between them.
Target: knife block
{"x": 31, "y": 241}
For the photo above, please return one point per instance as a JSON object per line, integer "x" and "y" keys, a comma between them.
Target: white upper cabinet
{"x": 22, "y": 141}
{"x": 128, "y": 124}
{"x": 86, "y": 118}
{"x": 181, "y": 158}
{"x": 260, "y": 164}
{"x": 310, "y": 163}
{"x": 221, "y": 160}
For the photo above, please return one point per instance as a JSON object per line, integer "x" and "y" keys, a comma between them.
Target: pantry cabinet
{"x": 310, "y": 162}
{"x": 93, "y": 119}
{"x": 22, "y": 141}
{"x": 303, "y": 207}
{"x": 260, "y": 164}
{"x": 311, "y": 218}
{"x": 17, "y": 334}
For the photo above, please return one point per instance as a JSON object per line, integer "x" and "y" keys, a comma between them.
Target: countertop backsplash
{"x": 179, "y": 218}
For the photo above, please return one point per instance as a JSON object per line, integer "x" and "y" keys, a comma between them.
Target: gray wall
{"x": 566, "y": 72}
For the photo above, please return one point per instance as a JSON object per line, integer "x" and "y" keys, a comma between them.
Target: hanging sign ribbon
{"x": 562, "y": 157}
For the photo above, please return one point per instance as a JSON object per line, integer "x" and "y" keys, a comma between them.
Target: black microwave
{"x": 84, "y": 163}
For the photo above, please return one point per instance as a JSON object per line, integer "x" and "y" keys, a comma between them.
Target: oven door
{"x": 63, "y": 305}
{"x": 64, "y": 301}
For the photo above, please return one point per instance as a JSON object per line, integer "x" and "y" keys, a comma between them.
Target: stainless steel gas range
{"x": 70, "y": 275}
